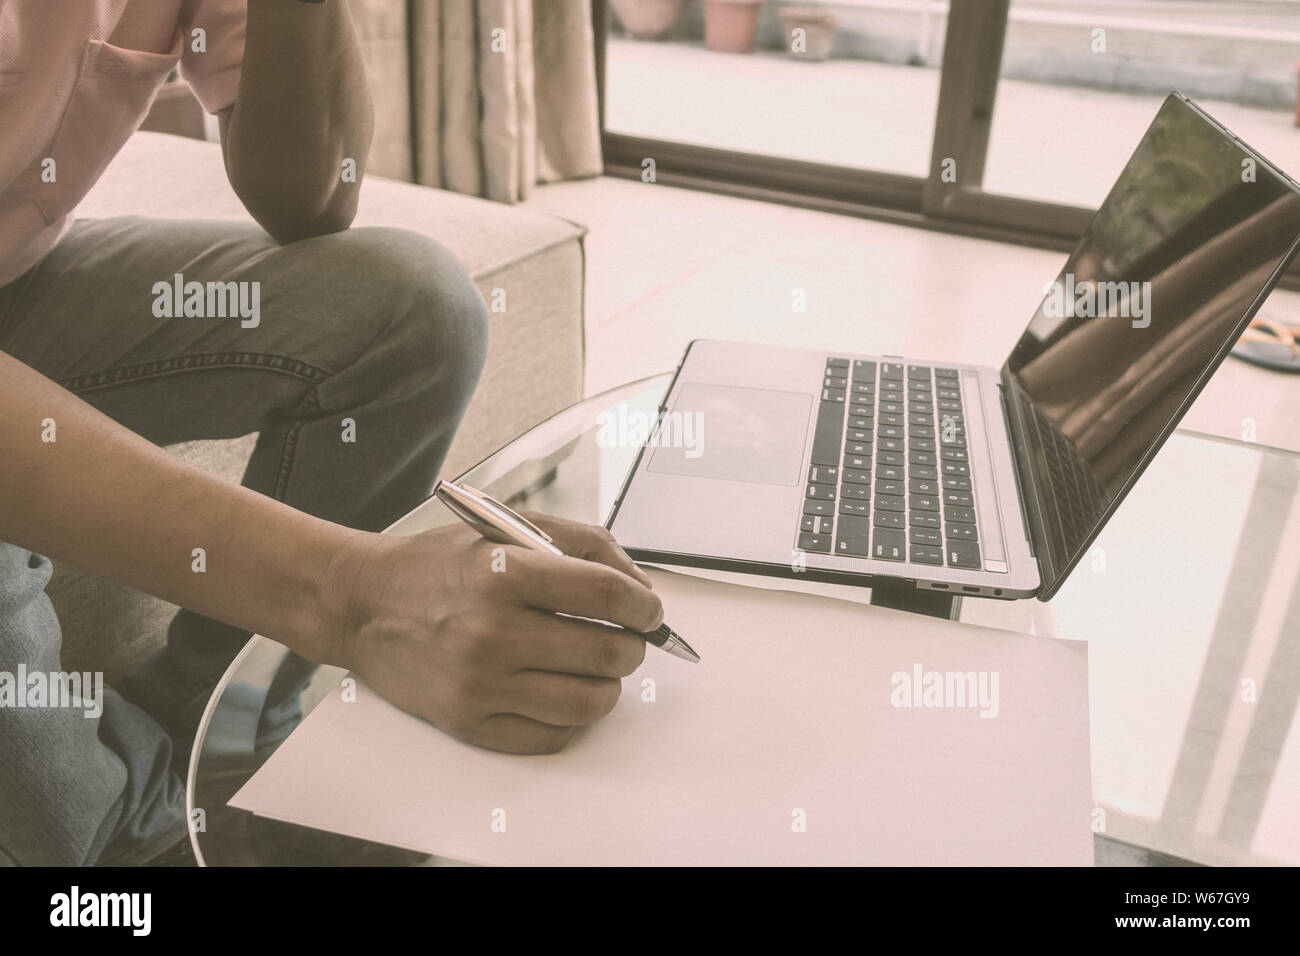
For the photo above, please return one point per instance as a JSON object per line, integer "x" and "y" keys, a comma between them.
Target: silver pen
{"x": 497, "y": 522}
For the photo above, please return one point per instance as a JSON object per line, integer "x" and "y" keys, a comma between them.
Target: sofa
{"x": 534, "y": 364}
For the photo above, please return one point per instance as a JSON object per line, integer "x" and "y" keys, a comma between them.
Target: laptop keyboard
{"x": 1080, "y": 498}
{"x": 889, "y": 477}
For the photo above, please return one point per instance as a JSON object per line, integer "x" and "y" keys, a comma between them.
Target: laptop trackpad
{"x": 736, "y": 434}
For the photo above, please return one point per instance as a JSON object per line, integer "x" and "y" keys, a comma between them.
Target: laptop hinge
{"x": 1031, "y": 511}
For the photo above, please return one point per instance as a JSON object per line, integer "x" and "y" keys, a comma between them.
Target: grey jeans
{"x": 381, "y": 326}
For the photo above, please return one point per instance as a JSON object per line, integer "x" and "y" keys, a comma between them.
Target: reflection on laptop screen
{"x": 1160, "y": 283}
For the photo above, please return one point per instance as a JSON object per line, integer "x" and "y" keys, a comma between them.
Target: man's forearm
{"x": 78, "y": 487}
{"x": 303, "y": 109}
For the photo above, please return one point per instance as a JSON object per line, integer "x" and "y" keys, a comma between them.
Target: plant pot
{"x": 648, "y": 19}
{"x": 730, "y": 26}
{"x": 818, "y": 32}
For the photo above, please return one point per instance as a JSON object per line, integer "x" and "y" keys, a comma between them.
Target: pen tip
{"x": 685, "y": 651}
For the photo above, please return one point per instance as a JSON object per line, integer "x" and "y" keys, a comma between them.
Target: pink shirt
{"x": 77, "y": 78}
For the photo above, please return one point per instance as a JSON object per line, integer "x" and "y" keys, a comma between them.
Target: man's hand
{"x": 472, "y": 636}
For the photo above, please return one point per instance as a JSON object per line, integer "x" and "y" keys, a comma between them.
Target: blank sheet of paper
{"x": 803, "y": 737}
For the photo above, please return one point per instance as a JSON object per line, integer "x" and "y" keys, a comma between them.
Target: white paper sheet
{"x": 787, "y": 744}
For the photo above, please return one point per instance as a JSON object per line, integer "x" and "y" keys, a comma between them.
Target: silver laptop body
{"x": 855, "y": 468}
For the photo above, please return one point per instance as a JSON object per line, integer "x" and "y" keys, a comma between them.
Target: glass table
{"x": 1190, "y": 602}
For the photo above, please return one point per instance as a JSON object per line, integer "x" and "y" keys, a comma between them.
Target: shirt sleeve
{"x": 213, "y": 70}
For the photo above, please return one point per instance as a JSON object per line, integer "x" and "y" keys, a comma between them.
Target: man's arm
{"x": 105, "y": 499}
{"x": 303, "y": 108}
{"x": 426, "y": 619}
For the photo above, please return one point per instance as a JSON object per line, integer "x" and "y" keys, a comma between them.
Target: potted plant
{"x": 648, "y": 19}
{"x": 730, "y": 26}
{"x": 809, "y": 31}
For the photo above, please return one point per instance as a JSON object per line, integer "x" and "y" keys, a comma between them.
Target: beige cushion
{"x": 534, "y": 365}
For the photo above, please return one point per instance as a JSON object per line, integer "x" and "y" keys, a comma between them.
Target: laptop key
{"x": 959, "y": 515}
{"x": 954, "y": 454}
{"x": 890, "y": 431}
{"x": 827, "y": 434}
{"x": 850, "y": 507}
{"x": 923, "y": 486}
{"x": 961, "y": 532}
{"x": 893, "y": 371}
{"x": 824, "y": 525}
{"x": 837, "y": 363}
{"x": 921, "y": 444}
{"x": 923, "y": 519}
{"x": 926, "y": 536}
{"x": 885, "y": 419}
{"x": 860, "y": 421}
{"x": 918, "y": 371}
{"x": 857, "y": 461}
{"x": 809, "y": 523}
{"x": 945, "y": 373}
{"x": 855, "y": 491}
{"x": 960, "y": 498}
{"x": 864, "y": 371}
{"x": 963, "y": 554}
{"x": 921, "y": 458}
{"x": 922, "y": 555}
{"x": 955, "y": 483}
{"x": 818, "y": 506}
{"x": 862, "y": 411}
{"x": 890, "y": 503}
{"x": 892, "y": 472}
{"x": 821, "y": 492}
{"x": 852, "y": 536}
{"x": 918, "y": 431}
{"x": 820, "y": 543}
{"x": 857, "y": 476}
{"x": 886, "y": 457}
{"x": 858, "y": 434}
{"x": 924, "y": 503}
{"x": 890, "y": 519}
{"x": 823, "y": 474}
{"x": 833, "y": 394}
{"x": 863, "y": 388}
{"x": 888, "y": 544}
{"x": 891, "y": 444}
{"x": 888, "y": 487}
{"x": 956, "y": 468}
{"x": 925, "y": 471}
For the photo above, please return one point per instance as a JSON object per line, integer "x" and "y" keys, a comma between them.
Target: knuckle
{"x": 608, "y": 654}
{"x": 609, "y": 591}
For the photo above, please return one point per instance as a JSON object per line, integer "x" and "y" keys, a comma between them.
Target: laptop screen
{"x": 1157, "y": 289}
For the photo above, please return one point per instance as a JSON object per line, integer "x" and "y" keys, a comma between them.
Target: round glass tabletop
{"x": 1188, "y": 600}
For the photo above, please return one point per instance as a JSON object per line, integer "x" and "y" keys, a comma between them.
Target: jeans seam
{"x": 311, "y": 409}
{"x": 194, "y": 362}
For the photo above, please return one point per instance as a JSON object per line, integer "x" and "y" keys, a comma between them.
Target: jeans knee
{"x": 438, "y": 321}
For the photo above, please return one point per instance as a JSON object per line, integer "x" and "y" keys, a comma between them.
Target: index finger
{"x": 590, "y": 542}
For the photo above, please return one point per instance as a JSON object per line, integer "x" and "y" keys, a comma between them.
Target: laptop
{"x": 854, "y": 468}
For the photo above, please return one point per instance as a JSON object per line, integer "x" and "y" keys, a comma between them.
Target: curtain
{"x": 502, "y": 94}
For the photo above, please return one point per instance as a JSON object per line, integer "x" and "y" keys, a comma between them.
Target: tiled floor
{"x": 667, "y": 265}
